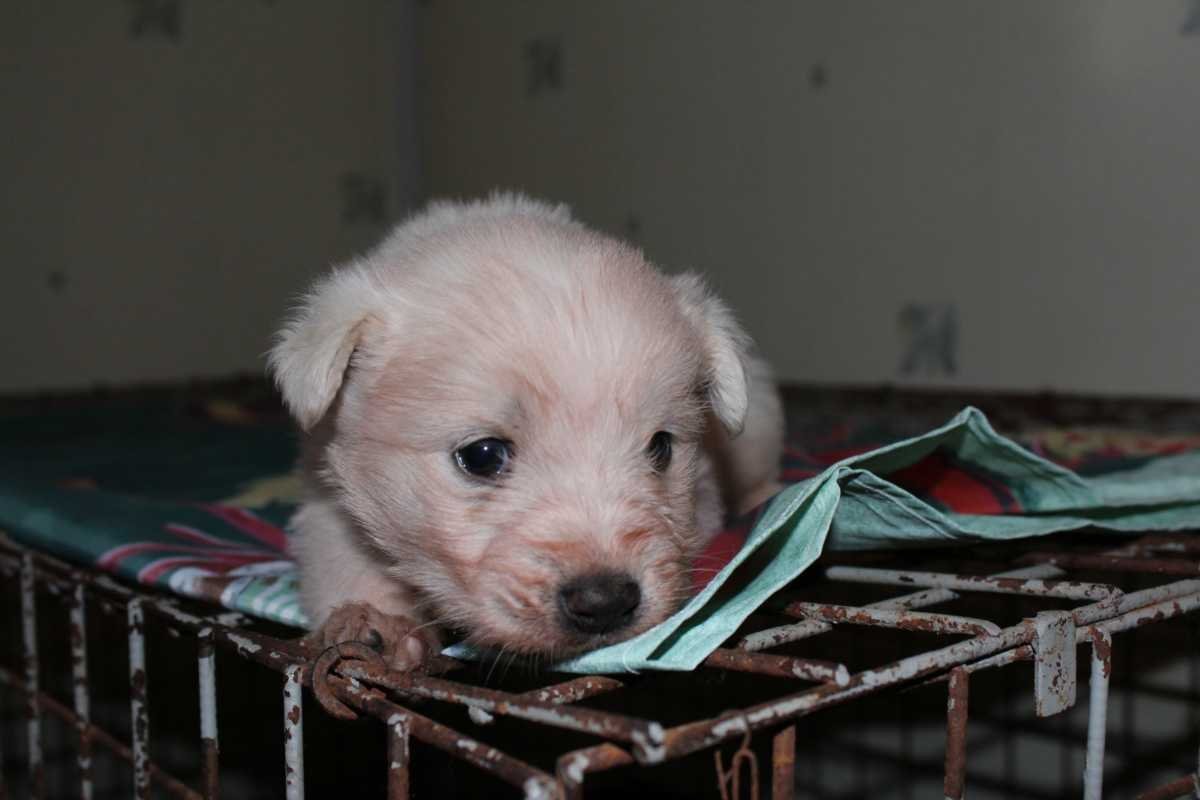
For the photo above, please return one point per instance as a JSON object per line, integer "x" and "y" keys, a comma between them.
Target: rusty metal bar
{"x": 1187, "y": 786}
{"x": 272, "y": 652}
{"x": 1110, "y": 563}
{"x": 1093, "y": 767}
{"x": 794, "y": 632}
{"x": 649, "y": 742}
{"x": 809, "y": 669}
{"x": 573, "y": 767}
{"x": 513, "y": 771}
{"x": 77, "y": 617}
{"x": 37, "y": 773}
{"x": 293, "y": 732}
{"x": 890, "y": 618}
{"x": 1054, "y": 645}
{"x": 1086, "y": 615}
{"x": 209, "y": 747}
{"x": 784, "y": 634}
{"x": 1128, "y": 603}
{"x": 1168, "y": 543}
{"x": 783, "y": 764}
{"x": 99, "y": 736}
{"x": 139, "y": 714}
{"x": 398, "y": 757}
{"x": 3, "y": 783}
{"x": 574, "y": 690}
{"x": 1067, "y": 590}
{"x": 1022, "y": 653}
{"x": 690, "y": 737}
{"x": 614, "y": 726}
{"x": 957, "y": 697}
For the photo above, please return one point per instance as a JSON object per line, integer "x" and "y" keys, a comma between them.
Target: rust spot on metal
{"x": 777, "y": 666}
{"x": 957, "y": 696}
{"x": 729, "y": 782}
{"x": 783, "y": 764}
{"x": 1178, "y": 788}
{"x": 368, "y": 688}
{"x": 76, "y": 636}
{"x": 38, "y": 787}
{"x": 1113, "y": 563}
{"x": 329, "y": 659}
{"x": 1103, "y": 648}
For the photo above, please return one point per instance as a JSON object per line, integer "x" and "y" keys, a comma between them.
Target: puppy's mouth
{"x": 579, "y": 614}
{"x": 554, "y": 646}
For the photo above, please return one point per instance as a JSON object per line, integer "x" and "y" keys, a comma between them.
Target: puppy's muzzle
{"x": 599, "y": 603}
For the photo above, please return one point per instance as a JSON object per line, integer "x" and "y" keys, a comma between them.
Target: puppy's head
{"x": 511, "y": 408}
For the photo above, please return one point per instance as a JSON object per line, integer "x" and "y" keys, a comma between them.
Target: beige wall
{"x": 1034, "y": 164}
{"x": 178, "y": 192}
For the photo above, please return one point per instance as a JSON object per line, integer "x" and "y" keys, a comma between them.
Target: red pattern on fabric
{"x": 939, "y": 479}
{"x": 719, "y": 552}
{"x": 250, "y": 523}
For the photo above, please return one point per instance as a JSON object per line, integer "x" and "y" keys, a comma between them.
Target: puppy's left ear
{"x": 312, "y": 352}
{"x": 725, "y": 348}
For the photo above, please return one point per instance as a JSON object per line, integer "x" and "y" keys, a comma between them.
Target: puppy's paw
{"x": 398, "y": 639}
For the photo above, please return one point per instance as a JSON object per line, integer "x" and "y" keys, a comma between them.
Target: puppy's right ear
{"x": 313, "y": 349}
{"x": 725, "y": 347}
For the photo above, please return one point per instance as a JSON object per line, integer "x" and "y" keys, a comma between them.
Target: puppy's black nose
{"x": 599, "y": 603}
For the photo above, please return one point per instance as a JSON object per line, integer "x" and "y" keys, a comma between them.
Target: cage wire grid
{"x": 349, "y": 680}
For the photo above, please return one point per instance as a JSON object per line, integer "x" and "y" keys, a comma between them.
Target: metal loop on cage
{"x": 730, "y": 783}
{"x": 324, "y": 663}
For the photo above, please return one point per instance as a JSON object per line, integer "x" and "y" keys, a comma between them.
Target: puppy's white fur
{"x": 506, "y": 318}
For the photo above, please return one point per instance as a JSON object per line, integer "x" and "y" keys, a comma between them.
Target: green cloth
{"x": 853, "y": 506}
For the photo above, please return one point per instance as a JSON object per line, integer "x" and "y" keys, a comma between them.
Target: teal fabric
{"x": 853, "y": 506}
{"x": 196, "y": 504}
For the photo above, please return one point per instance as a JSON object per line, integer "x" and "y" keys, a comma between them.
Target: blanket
{"x": 197, "y": 503}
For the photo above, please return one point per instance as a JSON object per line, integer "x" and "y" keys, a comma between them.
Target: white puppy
{"x": 516, "y": 428}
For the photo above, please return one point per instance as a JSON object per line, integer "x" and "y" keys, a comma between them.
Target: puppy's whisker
{"x": 495, "y": 662}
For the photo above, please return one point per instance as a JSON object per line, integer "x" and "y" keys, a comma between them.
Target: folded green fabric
{"x": 196, "y": 505}
{"x": 852, "y": 505}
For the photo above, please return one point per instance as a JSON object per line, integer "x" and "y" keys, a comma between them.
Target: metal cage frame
{"x": 348, "y": 680}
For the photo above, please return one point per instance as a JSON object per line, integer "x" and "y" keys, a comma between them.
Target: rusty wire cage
{"x": 1050, "y": 668}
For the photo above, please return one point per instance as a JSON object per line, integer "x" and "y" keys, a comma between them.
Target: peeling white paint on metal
{"x": 29, "y": 636}
{"x": 1054, "y": 662}
{"x": 537, "y": 789}
{"x": 649, "y": 743}
{"x": 1093, "y": 769}
{"x": 479, "y": 716}
{"x": 732, "y": 725}
{"x": 577, "y": 767}
{"x": 139, "y": 688}
{"x": 293, "y": 740}
{"x": 244, "y": 644}
{"x": 108, "y": 584}
{"x": 208, "y": 695}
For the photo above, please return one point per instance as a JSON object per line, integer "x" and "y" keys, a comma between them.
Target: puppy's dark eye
{"x": 659, "y": 451}
{"x": 485, "y": 458}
